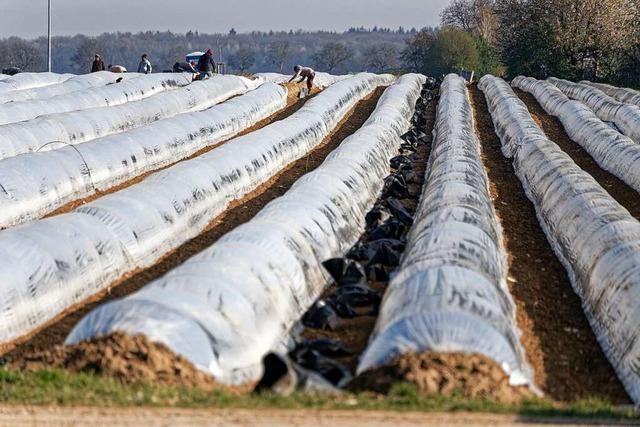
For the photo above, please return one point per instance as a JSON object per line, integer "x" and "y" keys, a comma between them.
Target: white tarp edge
{"x": 614, "y": 152}
{"x": 622, "y": 94}
{"x": 75, "y": 83}
{"x": 23, "y": 81}
{"x": 228, "y": 306}
{"x": 595, "y": 238}
{"x": 450, "y": 292}
{"x": 625, "y": 116}
{"x": 54, "y": 131}
{"x": 35, "y": 184}
{"x": 322, "y": 80}
{"x": 48, "y": 265}
{"x": 127, "y": 90}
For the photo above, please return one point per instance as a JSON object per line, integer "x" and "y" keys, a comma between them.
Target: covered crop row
{"x": 595, "y": 238}
{"x": 321, "y": 80}
{"x": 613, "y": 151}
{"x": 225, "y": 308}
{"x": 75, "y": 83}
{"x": 57, "y": 130}
{"x": 51, "y": 264}
{"x": 625, "y": 116}
{"x": 622, "y": 94}
{"x": 93, "y": 97}
{"x": 449, "y": 293}
{"x": 37, "y": 183}
{"x": 30, "y": 80}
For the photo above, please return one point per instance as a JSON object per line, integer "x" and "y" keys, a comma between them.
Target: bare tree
{"x": 278, "y": 52}
{"x": 331, "y": 56}
{"x": 418, "y": 49}
{"x": 474, "y": 16}
{"x": 381, "y": 57}
{"x": 16, "y": 52}
{"x": 242, "y": 59}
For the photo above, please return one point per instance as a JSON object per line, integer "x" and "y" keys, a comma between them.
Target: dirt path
{"x": 293, "y": 105}
{"x": 620, "y": 191}
{"x": 560, "y": 345}
{"x": 70, "y": 416}
{"x": 238, "y": 213}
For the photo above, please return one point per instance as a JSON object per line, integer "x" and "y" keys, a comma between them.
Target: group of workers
{"x": 205, "y": 68}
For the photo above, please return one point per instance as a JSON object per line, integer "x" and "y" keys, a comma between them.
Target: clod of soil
{"x": 125, "y": 358}
{"x": 468, "y": 375}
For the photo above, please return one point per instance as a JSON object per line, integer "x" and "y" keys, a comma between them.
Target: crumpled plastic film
{"x": 595, "y": 238}
{"x": 450, "y": 292}
{"x": 148, "y": 219}
{"x": 35, "y": 184}
{"x": 516, "y": 126}
{"x": 228, "y": 306}
{"x": 625, "y": 116}
{"x": 622, "y": 94}
{"x": 111, "y": 95}
{"x": 54, "y": 131}
{"x": 75, "y": 83}
{"x": 322, "y": 80}
{"x": 613, "y": 151}
{"x": 24, "y": 81}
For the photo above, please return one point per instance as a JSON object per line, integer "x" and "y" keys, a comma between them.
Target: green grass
{"x": 58, "y": 387}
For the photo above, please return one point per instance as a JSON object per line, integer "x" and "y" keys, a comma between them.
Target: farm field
{"x": 386, "y": 243}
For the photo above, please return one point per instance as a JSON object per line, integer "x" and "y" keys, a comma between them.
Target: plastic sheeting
{"x": 622, "y": 94}
{"x": 37, "y": 183}
{"x": 23, "y": 81}
{"x": 57, "y": 130}
{"x": 613, "y": 151}
{"x": 595, "y": 238}
{"x": 75, "y": 83}
{"x": 228, "y": 306}
{"x": 51, "y": 264}
{"x": 322, "y": 80}
{"x": 114, "y": 94}
{"x": 450, "y": 292}
{"x": 625, "y": 116}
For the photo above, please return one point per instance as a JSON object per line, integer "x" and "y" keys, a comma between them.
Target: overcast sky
{"x": 28, "y": 18}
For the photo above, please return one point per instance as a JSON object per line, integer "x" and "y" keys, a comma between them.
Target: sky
{"x": 28, "y": 18}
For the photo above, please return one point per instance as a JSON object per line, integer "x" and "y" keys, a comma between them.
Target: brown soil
{"x": 127, "y": 359}
{"x": 468, "y": 375}
{"x": 354, "y": 333}
{"x": 620, "y": 191}
{"x": 293, "y": 104}
{"x": 558, "y": 340}
{"x": 238, "y": 213}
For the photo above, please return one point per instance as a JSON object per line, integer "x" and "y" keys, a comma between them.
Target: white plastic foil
{"x": 35, "y": 184}
{"x": 23, "y": 81}
{"x": 75, "y": 83}
{"x": 322, "y": 80}
{"x": 595, "y": 238}
{"x": 614, "y": 152}
{"x": 450, "y": 293}
{"x": 226, "y": 307}
{"x": 107, "y": 96}
{"x": 622, "y": 94}
{"x": 625, "y": 116}
{"x": 54, "y": 131}
{"x": 54, "y": 263}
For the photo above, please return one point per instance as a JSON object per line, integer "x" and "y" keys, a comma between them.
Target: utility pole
{"x": 49, "y": 36}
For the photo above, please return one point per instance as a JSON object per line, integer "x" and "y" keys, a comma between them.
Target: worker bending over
{"x": 304, "y": 73}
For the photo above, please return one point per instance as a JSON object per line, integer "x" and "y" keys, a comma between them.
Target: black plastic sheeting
{"x": 312, "y": 364}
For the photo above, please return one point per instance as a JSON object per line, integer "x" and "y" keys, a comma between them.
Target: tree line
{"x": 357, "y": 49}
{"x": 574, "y": 39}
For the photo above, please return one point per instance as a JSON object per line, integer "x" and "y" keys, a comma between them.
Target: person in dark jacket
{"x": 98, "y": 64}
{"x": 206, "y": 65}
